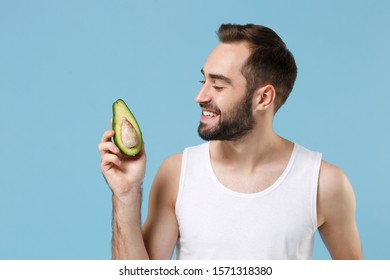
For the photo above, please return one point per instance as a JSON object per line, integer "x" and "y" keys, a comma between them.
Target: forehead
{"x": 227, "y": 59}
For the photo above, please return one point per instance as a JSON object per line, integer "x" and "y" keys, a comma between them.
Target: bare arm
{"x": 127, "y": 240}
{"x": 124, "y": 175}
{"x": 161, "y": 228}
{"x": 336, "y": 214}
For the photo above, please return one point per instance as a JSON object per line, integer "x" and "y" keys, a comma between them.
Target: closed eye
{"x": 218, "y": 88}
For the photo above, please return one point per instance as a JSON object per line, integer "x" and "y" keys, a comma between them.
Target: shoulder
{"x": 332, "y": 177}
{"x": 171, "y": 163}
{"x": 335, "y": 193}
{"x": 166, "y": 181}
{"x": 336, "y": 209}
{"x": 171, "y": 166}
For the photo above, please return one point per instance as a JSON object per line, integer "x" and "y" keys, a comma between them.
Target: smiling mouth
{"x": 209, "y": 114}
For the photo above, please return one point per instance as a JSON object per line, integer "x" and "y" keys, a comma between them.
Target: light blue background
{"x": 63, "y": 63}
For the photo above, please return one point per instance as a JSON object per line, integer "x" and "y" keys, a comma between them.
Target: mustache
{"x": 210, "y": 107}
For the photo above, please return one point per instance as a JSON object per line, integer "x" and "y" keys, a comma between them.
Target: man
{"x": 245, "y": 194}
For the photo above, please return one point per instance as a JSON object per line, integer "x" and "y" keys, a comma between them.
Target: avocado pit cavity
{"x": 129, "y": 134}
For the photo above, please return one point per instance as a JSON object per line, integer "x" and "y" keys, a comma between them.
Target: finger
{"x": 108, "y": 147}
{"x": 110, "y": 122}
{"x": 107, "y": 135}
{"x": 108, "y": 161}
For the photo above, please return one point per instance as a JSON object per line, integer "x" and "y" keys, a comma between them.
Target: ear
{"x": 264, "y": 97}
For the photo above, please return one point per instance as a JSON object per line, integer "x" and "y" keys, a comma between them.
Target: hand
{"x": 122, "y": 173}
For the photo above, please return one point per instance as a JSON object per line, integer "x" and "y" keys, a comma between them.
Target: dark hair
{"x": 270, "y": 62}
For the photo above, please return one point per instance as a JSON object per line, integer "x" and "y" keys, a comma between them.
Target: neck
{"x": 261, "y": 145}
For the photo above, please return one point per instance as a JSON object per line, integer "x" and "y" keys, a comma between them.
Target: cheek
{"x": 233, "y": 100}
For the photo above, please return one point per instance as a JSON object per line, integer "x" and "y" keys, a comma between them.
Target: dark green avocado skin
{"x": 120, "y": 110}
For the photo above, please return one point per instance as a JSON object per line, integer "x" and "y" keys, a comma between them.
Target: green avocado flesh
{"x": 128, "y": 136}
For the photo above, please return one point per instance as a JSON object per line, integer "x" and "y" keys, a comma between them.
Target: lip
{"x": 208, "y": 119}
{"x": 210, "y": 108}
{"x": 205, "y": 119}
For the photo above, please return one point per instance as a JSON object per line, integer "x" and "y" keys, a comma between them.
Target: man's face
{"x": 226, "y": 106}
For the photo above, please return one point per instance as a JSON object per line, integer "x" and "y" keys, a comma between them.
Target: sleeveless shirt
{"x": 218, "y": 223}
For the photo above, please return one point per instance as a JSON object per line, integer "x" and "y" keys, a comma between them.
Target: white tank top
{"x": 218, "y": 223}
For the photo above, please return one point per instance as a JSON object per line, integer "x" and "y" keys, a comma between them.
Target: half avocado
{"x": 128, "y": 136}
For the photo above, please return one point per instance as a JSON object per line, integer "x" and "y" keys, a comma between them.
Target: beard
{"x": 232, "y": 125}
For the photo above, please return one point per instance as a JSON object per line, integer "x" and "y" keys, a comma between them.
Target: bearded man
{"x": 246, "y": 193}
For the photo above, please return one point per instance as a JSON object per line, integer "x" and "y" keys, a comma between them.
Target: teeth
{"x": 209, "y": 114}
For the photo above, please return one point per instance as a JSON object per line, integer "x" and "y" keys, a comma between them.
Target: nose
{"x": 203, "y": 95}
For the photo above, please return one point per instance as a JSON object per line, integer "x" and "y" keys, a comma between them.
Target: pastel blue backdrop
{"x": 63, "y": 63}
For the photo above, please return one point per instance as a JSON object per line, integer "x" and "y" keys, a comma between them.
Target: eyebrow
{"x": 218, "y": 77}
